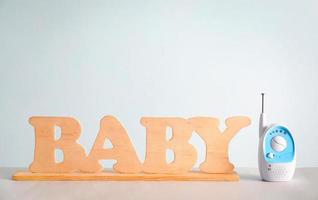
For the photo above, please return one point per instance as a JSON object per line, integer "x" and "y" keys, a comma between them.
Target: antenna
{"x": 262, "y": 118}
{"x": 263, "y": 102}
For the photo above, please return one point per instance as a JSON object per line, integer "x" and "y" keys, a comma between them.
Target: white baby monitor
{"x": 276, "y": 151}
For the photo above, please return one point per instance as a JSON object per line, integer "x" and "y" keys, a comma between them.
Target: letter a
{"x": 122, "y": 151}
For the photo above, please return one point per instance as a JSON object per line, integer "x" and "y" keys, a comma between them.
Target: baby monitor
{"x": 276, "y": 150}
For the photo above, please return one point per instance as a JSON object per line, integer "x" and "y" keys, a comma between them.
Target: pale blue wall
{"x": 129, "y": 58}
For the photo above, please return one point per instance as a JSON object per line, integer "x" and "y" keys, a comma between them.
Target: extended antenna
{"x": 262, "y": 118}
{"x": 263, "y": 102}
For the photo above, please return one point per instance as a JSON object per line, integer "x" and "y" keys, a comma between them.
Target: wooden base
{"x": 111, "y": 176}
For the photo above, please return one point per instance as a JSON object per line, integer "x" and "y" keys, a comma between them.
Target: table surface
{"x": 303, "y": 186}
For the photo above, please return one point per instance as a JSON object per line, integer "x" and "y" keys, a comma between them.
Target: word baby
{"x": 185, "y": 155}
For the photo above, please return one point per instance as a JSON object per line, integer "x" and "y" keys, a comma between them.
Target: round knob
{"x": 279, "y": 143}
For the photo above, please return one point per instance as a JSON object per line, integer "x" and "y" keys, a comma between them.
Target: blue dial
{"x": 278, "y": 145}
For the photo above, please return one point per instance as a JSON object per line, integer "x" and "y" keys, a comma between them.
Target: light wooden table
{"x": 303, "y": 186}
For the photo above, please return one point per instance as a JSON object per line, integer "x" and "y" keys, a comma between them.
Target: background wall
{"x": 130, "y": 59}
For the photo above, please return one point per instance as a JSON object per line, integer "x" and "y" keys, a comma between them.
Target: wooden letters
{"x": 79, "y": 166}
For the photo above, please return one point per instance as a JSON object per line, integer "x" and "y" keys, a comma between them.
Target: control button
{"x": 279, "y": 143}
{"x": 270, "y": 155}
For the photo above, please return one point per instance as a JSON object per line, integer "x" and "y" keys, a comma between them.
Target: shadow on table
{"x": 250, "y": 177}
{"x": 6, "y": 173}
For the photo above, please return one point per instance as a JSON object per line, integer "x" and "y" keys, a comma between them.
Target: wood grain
{"x": 185, "y": 155}
{"x": 79, "y": 166}
{"x": 45, "y": 145}
{"x": 112, "y": 176}
{"x": 217, "y": 142}
{"x": 122, "y": 151}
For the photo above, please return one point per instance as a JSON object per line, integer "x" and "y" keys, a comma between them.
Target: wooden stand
{"x": 111, "y": 176}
